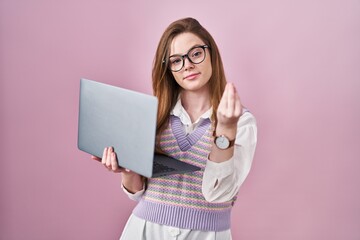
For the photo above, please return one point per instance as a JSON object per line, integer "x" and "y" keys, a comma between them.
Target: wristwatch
{"x": 222, "y": 142}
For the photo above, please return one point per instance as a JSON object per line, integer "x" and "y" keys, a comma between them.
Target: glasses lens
{"x": 197, "y": 55}
{"x": 175, "y": 63}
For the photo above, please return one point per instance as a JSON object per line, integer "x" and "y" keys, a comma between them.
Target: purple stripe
{"x": 183, "y": 217}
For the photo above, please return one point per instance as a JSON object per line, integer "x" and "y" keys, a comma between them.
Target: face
{"x": 192, "y": 77}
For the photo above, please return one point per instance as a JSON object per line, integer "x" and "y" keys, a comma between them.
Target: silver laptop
{"x": 125, "y": 120}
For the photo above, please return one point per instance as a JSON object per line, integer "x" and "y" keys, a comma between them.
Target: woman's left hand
{"x": 229, "y": 109}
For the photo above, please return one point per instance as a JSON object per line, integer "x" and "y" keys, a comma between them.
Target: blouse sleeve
{"x": 221, "y": 181}
{"x": 133, "y": 196}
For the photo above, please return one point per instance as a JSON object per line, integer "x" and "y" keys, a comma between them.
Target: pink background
{"x": 296, "y": 65}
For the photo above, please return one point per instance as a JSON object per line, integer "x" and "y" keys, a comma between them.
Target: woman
{"x": 200, "y": 121}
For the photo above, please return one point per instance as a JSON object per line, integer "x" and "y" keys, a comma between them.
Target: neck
{"x": 195, "y": 103}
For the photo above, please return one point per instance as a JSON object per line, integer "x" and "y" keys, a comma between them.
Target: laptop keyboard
{"x": 158, "y": 167}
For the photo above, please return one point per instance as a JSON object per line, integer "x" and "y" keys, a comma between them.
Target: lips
{"x": 192, "y": 76}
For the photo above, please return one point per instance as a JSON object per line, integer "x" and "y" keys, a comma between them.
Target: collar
{"x": 180, "y": 112}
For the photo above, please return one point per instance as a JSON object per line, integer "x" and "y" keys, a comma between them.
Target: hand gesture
{"x": 229, "y": 109}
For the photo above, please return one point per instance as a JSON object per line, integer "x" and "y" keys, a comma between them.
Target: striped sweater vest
{"x": 177, "y": 200}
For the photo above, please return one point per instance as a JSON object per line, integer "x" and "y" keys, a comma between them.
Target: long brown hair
{"x": 165, "y": 88}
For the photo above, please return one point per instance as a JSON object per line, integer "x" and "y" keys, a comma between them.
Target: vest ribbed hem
{"x": 182, "y": 217}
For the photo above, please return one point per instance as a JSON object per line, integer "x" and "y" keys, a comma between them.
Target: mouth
{"x": 191, "y": 76}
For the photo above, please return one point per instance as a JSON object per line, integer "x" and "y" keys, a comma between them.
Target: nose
{"x": 187, "y": 63}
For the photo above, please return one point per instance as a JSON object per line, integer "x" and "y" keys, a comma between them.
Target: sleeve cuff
{"x": 133, "y": 196}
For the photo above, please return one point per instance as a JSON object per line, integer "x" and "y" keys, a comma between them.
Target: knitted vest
{"x": 177, "y": 200}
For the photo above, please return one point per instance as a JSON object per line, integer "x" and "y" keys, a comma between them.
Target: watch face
{"x": 222, "y": 142}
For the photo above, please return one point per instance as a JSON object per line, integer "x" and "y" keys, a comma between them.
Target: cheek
{"x": 177, "y": 77}
{"x": 208, "y": 71}
{"x": 207, "y": 65}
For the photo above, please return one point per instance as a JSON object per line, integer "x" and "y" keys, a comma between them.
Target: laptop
{"x": 125, "y": 120}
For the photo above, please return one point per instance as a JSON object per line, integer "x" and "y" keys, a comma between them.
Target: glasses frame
{"x": 187, "y": 56}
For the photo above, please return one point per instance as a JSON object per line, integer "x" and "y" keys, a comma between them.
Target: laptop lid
{"x": 121, "y": 118}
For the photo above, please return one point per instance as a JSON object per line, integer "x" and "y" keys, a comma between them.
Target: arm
{"x": 228, "y": 114}
{"x": 222, "y": 180}
{"x": 222, "y": 162}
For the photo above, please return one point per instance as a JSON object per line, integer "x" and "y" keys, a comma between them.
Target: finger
{"x": 95, "y": 158}
{"x": 223, "y": 100}
{"x": 123, "y": 170}
{"x": 103, "y": 160}
{"x": 238, "y": 106}
{"x": 108, "y": 157}
{"x": 230, "y": 100}
{"x": 114, "y": 163}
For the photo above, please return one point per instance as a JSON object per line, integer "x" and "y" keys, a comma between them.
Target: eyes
{"x": 175, "y": 60}
{"x": 195, "y": 55}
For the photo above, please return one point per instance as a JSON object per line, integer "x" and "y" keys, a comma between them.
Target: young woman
{"x": 200, "y": 121}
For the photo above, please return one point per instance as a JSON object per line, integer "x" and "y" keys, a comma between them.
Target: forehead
{"x": 183, "y": 42}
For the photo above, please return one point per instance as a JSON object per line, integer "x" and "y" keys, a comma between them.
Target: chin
{"x": 194, "y": 86}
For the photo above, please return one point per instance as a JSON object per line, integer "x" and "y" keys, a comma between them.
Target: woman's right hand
{"x": 109, "y": 160}
{"x": 132, "y": 181}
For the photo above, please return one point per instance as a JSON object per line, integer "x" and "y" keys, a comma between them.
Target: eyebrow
{"x": 179, "y": 54}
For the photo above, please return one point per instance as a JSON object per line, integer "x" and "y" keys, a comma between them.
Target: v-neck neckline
{"x": 186, "y": 141}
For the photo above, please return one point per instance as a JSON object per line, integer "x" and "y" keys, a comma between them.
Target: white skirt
{"x": 140, "y": 229}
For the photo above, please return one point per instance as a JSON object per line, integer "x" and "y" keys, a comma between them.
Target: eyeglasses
{"x": 195, "y": 55}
